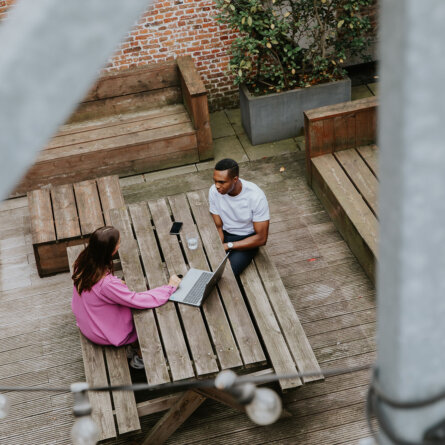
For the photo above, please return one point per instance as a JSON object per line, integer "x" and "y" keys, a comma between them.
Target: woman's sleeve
{"x": 116, "y": 291}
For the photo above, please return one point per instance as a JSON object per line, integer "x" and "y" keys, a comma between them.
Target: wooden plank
{"x": 341, "y": 108}
{"x": 159, "y": 404}
{"x": 344, "y": 132}
{"x": 88, "y": 206}
{"x": 286, "y": 316}
{"x": 119, "y": 129}
{"x": 190, "y": 75}
{"x": 366, "y": 132}
{"x": 350, "y": 214}
{"x": 110, "y": 195}
{"x": 201, "y": 119}
{"x": 369, "y": 154}
{"x": 124, "y": 401}
{"x": 65, "y": 212}
{"x": 110, "y": 121}
{"x": 41, "y": 216}
{"x": 134, "y": 80}
{"x": 95, "y": 372}
{"x": 126, "y": 140}
{"x": 264, "y": 316}
{"x": 123, "y": 161}
{"x": 243, "y": 328}
{"x": 217, "y": 322}
{"x": 145, "y": 322}
{"x": 123, "y": 104}
{"x": 174, "y": 418}
{"x": 194, "y": 327}
{"x": 360, "y": 175}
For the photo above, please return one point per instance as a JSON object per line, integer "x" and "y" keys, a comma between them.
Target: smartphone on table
{"x": 176, "y": 227}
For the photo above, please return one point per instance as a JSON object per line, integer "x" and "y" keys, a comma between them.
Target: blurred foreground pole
{"x": 411, "y": 272}
{"x": 51, "y": 52}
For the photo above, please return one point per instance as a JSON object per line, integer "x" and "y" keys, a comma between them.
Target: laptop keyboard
{"x": 196, "y": 292}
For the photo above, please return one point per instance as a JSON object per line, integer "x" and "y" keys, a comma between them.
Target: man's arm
{"x": 219, "y": 225}
{"x": 257, "y": 240}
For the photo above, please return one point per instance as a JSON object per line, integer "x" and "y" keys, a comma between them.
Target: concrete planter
{"x": 280, "y": 115}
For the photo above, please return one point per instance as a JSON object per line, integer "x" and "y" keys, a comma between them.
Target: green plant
{"x": 285, "y": 44}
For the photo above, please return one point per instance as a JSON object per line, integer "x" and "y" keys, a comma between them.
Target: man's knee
{"x": 239, "y": 260}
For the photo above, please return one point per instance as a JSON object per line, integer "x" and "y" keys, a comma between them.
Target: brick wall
{"x": 180, "y": 27}
{"x": 173, "y": 28}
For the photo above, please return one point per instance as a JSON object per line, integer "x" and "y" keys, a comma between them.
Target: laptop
{"x": 197, "y": 285}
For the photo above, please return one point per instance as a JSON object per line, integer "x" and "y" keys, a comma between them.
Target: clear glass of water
{"x": 192, "y": 240}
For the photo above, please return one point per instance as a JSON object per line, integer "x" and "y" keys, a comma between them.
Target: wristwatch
{"x": 230, "y": 245}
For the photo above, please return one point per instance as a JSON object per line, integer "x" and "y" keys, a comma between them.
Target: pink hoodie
{"x": 103, "y": 314}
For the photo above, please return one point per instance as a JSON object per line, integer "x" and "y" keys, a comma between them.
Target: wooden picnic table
{"x": 249, "y": 330}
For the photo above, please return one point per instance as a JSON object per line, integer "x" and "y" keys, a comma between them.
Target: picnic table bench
{"x": 66, "y": 215}
{"x": 342, "y": 169}
{"x": 131, "y": 121}
{"x": 256, "y": 333}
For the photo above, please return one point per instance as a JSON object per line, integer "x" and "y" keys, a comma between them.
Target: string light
{"x": 263, "y": 405}
{"x": 4, "y": 406}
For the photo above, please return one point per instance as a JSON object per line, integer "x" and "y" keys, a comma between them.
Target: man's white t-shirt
{"x": 238, "y": 213}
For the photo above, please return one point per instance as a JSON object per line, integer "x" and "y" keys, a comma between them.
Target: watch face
{"x": 229, "y": 245}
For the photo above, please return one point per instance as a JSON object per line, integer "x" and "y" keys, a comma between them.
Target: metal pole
{"x": 51, "y": 51}
{"x": 411, "y": 271}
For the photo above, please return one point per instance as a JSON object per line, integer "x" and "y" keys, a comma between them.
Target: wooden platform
{"x": 334, "y": 300}
{"x": 343, "y": 172}
{"x": 132, "y": 121}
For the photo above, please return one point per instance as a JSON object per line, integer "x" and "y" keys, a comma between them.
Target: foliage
{"x": 285, "y": 44}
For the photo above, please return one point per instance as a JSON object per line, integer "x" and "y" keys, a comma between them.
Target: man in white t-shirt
{"x": 241, "y": 214}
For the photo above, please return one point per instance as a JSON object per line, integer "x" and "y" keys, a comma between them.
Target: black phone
{"x": 176, "y": 227}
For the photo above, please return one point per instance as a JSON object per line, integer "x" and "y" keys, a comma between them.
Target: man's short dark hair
{"x": 228, "y": 164}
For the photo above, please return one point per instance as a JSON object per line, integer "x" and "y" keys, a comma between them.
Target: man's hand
{"x": 174, "y": 281}
{"x": 226, "y": 247}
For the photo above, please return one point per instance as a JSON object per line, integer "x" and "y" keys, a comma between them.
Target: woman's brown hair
{"x": 96, "y": 259}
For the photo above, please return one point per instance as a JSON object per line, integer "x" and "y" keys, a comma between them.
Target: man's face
{"x": 223, "y": 182}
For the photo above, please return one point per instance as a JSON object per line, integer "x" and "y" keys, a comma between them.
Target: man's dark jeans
{"x": 239, "y": 259}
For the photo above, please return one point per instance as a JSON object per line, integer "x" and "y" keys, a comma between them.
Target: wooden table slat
{"x": 95, "y": 372}
{"x": 275, "y": 343}
{"x": 193, "y": 322}
{"x": 243, "y": 328}
{"x": 65, "y": 212}
{"x": 124, "y": 401}
{"x": 169, "y": 325}
{"x": 88, "y": 205}
{"x": 217, "y": 322}
{"x": 110, "y": 195}
{"x": 145, "y": 322}
{"x": 287, "y": 318}
{"x": 41, "y": 216}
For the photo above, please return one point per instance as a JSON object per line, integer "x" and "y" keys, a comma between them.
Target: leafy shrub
{"x": 285, "y": 44}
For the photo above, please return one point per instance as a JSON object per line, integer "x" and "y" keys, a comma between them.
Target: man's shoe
{"x": 136, "y": 362}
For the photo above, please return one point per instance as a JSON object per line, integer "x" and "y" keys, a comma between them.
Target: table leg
{"x": 174, "y": 417}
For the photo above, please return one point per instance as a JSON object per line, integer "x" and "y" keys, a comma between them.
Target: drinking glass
{"x": 192, "y": 240}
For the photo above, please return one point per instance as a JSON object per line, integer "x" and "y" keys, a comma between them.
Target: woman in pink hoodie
{"x": 101, "y": 302}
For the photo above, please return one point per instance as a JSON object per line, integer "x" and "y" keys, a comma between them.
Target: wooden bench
{"x": 341, "y": 160}
{"x": 183, "y": 343}
{"x": 66, "y": 215}
{"x": 132, "y": 121}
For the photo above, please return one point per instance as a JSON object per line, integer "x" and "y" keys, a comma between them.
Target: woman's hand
{"x": 174, "y": 281}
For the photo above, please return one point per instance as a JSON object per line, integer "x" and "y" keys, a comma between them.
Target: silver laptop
{"x": 197, "y": 285}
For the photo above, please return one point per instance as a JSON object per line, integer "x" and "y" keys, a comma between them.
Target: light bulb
{"x": 265, "y": 408}
{"x": 84, "y": 431}
{"x": 4, "y": 406}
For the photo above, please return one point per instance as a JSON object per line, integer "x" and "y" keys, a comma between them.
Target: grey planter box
{"x": 280, "y": 115}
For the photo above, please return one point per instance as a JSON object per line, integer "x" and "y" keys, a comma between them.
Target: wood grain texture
{"x": 41, "y": 216}
{"x": 243, "y": 329}
{"x": 145, "y": 321}
{"x": 110, "y": 195}
{"x": 192, "y": 319}
{"x": 218, "y": 324}
{"x": 65, "y": 212}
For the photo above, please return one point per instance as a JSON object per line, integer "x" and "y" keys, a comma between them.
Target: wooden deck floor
{"x": 334, "y": 299}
